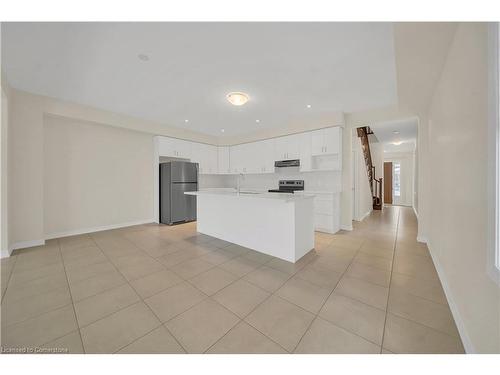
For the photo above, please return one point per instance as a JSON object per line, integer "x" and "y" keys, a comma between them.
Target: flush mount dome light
{"x": 237, "y": 98}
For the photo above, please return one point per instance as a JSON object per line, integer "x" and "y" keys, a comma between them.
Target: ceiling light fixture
{"x": 237, "y": 98}
{"x": 257, "y": 121}
{"x": 186, "y": 120}
{"x": 309, "y": 106}
{"x": 397, "y": 143}
{"x": 395, "y": 132}
{"x": 143, "y": 57}
{"x": 222, "y": 130}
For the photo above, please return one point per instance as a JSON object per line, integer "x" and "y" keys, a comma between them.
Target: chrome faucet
{"x": 238, "y": 183}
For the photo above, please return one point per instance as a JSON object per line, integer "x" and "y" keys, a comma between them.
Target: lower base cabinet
{"x": 327, "y": 212}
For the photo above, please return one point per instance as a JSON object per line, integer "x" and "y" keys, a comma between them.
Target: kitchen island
{"x": 280, "y": 225}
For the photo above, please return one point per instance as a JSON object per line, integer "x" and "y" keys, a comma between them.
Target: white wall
{"x": 457, "y": 227}
{"x": 4, "y": 244}
{"x": 362, "y": 192}
{"x": 25, "y": 172}
{"x": 95, "y": 176}
{"x": 26, "y": 157}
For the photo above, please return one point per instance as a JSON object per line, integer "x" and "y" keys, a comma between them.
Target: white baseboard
{"x": 468, "y": 346}
{"x": 346, "y": 227}
{"x": 422, "y": 239}
{"x": 414, "y": 210}
{"x": 364, "y": 216}
{"x": 97, "y": 229}
{"x": 23, "y": 245}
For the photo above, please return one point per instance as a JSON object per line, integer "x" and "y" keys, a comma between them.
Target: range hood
{"x": 287, "y": 163}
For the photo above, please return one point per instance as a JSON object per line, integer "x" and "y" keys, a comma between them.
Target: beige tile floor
{"x": 160, "y": 289}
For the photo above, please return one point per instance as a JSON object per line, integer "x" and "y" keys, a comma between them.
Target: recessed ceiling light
{"x": 222, "y": 130}
{"x": 397, "y": 143}
{"x": 395, "y": 132}
{"x": 186, "y": 120}
{"x": 309, "y": 106}
{"x": 143, "y": 57}
{"x": 257, "y": 121}
{"x": 237, "y": 98}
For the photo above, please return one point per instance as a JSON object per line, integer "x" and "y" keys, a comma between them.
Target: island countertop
{"x": 277, "y": 224}
{"x": 286, "y": 197}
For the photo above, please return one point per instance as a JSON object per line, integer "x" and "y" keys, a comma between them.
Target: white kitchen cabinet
{"x": 223, "y": 160}
{"x": 287, "y": 147}
{"x": 236, "y": 156}
{"x": 326, "y": 141}
{"x": 317, "y": 150}
{"x": 327, "y": 212}
{"x": 305, "y": 152}
{"x": 206, "y": 157}
{"x": 175, "y": 148}
{"x": 261, "y": 156}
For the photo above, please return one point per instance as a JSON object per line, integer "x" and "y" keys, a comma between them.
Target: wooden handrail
{"x": 375, "y": 184}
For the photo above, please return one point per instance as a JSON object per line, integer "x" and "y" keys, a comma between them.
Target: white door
{"x": 331, "y": 140}
{"x": 280, "y": 148}
{"x": 166, "y": 147}
{"x": 212, "y": 159}
{"x": 317, "y": 142}
{"x": 183, "y": 148}
{"x": 223, "y": 160}
{"x": 267, "y": 160}
{"x": 236, "y": 159}
{"x": 293, "y": 146}
{"x": 305, "y": 152}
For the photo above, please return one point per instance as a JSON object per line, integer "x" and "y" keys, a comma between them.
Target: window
{"x": 396, "y": 180}
{"x": 494, "y": 152}
{"x": 497, "y": 146}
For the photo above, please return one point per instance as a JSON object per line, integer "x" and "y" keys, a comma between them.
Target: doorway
{"x": 388, "y": 183}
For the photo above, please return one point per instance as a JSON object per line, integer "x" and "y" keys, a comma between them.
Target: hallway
{"x": 152, "y": 288}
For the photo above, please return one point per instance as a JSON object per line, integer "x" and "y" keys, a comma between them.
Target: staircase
{"x": 375, "y": 183}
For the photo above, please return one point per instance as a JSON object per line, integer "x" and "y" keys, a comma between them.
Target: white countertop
{"x": 258, "y": 190}
{"x": 253, "y": 194}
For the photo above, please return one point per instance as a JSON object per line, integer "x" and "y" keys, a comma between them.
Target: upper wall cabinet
{"x": 206, "y": 156}
{"x": 287, "y": 148}
{"x": 325, "y": 141}
{"x": 317, "y": 150}
{"x": 224, "y": 166}
{"x": 263, "y": 156}
{"x": 176, "y": 148}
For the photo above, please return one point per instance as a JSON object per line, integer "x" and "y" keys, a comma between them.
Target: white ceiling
{"x": 407, "y": 134}
{"x": 192, "y": 66}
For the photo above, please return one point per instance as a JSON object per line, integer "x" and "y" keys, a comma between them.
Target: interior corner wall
{"x": 95, "y": 176}
{"x": 25, "y": 170}
{"x": 4, "y": 244}
{"x": 346, "y": 195}
{"x": 457, "y": 169}
{"x": 363, "y": 195}
{"x": 26, "y": 214}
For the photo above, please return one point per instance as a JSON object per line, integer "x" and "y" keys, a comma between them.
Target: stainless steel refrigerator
{"x": 176, "y": 178}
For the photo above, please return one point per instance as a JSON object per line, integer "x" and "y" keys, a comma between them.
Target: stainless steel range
{"x": 288, "y": 186}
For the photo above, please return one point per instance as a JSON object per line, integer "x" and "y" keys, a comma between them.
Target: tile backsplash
{"x": 316, "y": 181}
